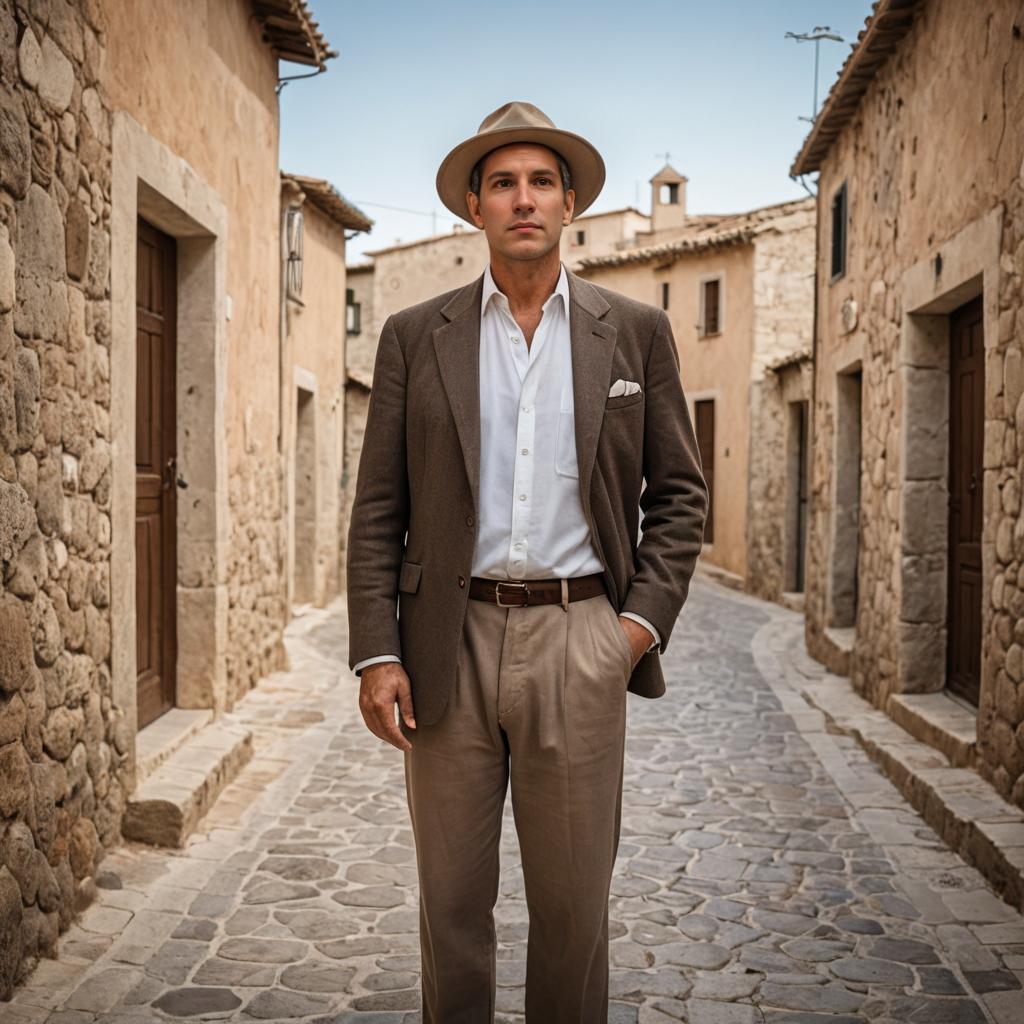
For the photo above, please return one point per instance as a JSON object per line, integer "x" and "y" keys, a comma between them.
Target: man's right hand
{"x": 381, "y": 687}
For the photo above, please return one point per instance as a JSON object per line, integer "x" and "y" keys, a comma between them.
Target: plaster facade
{"x": 766, "y": 287}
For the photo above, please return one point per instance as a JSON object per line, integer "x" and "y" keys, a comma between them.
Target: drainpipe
{"x": 814, "y": 389}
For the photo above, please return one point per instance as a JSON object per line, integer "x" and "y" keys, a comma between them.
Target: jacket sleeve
{"x": 380, "y": 511}
{"x": 674, "y": 501}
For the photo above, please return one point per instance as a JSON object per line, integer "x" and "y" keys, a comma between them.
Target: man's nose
{"x": 523, "y": 199}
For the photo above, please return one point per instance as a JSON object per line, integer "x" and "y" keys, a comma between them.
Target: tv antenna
{"x": 816, "y": 35}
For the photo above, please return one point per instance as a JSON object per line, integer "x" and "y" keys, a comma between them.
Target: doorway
{"x": 966, "y": 433}
{"x": 155, "y": 472}
{"x": 704, "y": 424}
{"x": 304, "y": 589}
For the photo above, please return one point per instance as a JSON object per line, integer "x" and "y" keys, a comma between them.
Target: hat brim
{"x": 586, "y": 168}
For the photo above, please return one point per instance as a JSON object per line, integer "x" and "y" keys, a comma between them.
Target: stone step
{"x": 939, "y": 720}
{"x": 957, "y": 802}
{"x": 161, "y": 738}
{"x": 168, "y": 805}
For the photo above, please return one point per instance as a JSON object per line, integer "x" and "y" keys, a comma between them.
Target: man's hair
{"x": 478, "y": 167}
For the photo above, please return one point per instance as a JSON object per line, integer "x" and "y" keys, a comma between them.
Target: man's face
{"x": 522, "y": 206}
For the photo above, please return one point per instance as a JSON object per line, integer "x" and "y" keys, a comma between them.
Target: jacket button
{"x": 462, "y": 581}
{"x": 469, "y": 520}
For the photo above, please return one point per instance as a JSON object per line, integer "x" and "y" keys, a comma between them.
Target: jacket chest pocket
{"x": 565, "y": 439}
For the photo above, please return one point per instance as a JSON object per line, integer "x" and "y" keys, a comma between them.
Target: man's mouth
{"x": 526, "y": 226}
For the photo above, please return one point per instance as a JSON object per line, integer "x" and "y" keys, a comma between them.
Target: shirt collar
{"x": 491, "y": 290}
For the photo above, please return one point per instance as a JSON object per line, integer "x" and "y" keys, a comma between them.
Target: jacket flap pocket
{"x": 409, "y": 578}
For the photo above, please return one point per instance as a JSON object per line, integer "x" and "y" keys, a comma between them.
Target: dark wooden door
{"x": 155, "y": 472}
{"x": 801, "y": 495}
{"x": 966, "y": 425}
{"x": 704, "y": 427}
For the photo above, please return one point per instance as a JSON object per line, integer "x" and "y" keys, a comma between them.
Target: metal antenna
{"x": 815, "y": 36}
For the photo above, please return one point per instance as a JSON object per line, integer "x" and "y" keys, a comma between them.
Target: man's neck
{"x": 526, "y": 284}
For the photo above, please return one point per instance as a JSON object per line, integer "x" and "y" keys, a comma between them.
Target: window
{"x": 353, "y": 312}
{"x": 293, "y": 268}
{"x": 664, "y": 294}
{"x": 711, "y": 306}
{"x": 839, "y": 232}
{"x": 581, "y": 238}
{"x": 670, "y": 194}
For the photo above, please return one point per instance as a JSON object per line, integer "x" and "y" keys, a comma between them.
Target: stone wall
{"x": 931, "y": 158}
{"x": 62, "y": 739}
{"x": 783, "y": 284}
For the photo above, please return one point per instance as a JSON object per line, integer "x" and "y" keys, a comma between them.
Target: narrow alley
{"x": 767, "y": 870}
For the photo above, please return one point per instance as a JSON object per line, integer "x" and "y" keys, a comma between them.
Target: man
{"x": 516, "y": 428}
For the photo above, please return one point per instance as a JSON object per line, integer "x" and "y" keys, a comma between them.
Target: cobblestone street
{"x": 767, "y": 870}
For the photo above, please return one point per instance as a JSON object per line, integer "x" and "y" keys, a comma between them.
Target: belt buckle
{"x": 522, "y": 587}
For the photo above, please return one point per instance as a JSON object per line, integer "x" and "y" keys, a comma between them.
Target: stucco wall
{"x": 933, "y": 149}
{"x": 316, "y": 346}
{"x": 716, "y": 367}
{"x": 210, "y": 57}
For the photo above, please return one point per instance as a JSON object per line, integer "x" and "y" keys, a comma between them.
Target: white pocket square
{"x": 623, "y": 387}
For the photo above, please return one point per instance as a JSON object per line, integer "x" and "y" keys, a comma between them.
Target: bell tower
{"x": 668, "y": 200}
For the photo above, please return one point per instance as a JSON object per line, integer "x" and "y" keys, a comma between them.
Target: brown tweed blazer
{"x": 410, "y": 542}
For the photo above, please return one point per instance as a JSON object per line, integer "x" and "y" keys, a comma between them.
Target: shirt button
{"x": 515, "y": 339}
{"x": 469, "y": 520}
{"x": 526, "y": 451}
{"x": 462, "y": 581}
{"x": 519, "y": 543}
{"x": 526, "y": 408}
{"x": 522, "y": 497}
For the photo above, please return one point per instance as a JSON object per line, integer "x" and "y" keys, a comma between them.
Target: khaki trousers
{"x": 539, "y": 698}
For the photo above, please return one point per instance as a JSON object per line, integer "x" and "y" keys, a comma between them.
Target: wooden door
{"x": 966, "y": 427}
{"x": 155, "y": 472}
{"x": 704, "y": 427}
{"x": 801, "y": 495}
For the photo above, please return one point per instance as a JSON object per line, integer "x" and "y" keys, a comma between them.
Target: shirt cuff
{"x": 643, "y": 622}
{"x": 367, "y": 662}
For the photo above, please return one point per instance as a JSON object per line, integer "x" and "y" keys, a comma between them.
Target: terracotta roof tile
{"x": 291, "y": 32}
{"x": 888, "y": 23}
{"x": 327, "y": 198}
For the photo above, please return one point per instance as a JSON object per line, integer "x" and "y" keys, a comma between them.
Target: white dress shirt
{"x": 530, "y": 523}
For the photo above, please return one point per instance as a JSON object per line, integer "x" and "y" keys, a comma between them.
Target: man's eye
{"x": 543, "y": 181}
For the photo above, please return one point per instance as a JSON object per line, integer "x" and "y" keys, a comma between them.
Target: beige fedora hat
{"x": 519, "y": 122}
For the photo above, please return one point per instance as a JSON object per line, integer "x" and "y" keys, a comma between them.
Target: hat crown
{"x": 517, "y": 114}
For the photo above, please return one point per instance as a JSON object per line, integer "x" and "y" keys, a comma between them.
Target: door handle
{"x": 171, "y": 475}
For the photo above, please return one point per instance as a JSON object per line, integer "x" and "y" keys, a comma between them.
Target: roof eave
{"x": 884, "y": 28}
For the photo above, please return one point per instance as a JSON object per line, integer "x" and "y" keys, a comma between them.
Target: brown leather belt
{"x": 520, "y": 593}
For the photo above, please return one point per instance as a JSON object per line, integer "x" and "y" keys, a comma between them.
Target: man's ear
{"x": 570, "y": 204}
{"x": 473, "y": 202}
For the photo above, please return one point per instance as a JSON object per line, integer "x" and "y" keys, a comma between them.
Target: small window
{"x": 293, "y": 268}
{"x": 664, "y": 294}
{"x": 670, "y": 194}
{"x": 581, "y": 238}
{"x": 839, "y": 232}
{"x": 711, "y": 306}
{"x": 353, "y": 312}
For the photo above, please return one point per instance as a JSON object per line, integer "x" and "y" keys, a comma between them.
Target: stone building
{"x": 315, "y": 222}
{"x": 915, "y": 585}
{"x": 738, "y": 291}
{"x": 142, "y": 514}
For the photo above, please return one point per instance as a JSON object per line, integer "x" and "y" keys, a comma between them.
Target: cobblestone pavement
{"x": 767, "y": 871}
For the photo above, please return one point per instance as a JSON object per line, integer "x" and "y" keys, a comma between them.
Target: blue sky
{"x": 717, "y": 85}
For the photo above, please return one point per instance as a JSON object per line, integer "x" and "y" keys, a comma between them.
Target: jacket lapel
{"x": 457, "y": 347}
{"x": 593, "y": 344}
{"x": 592, "y": 341}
